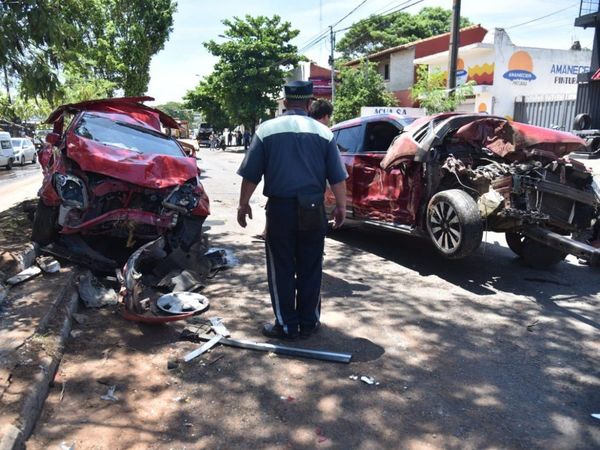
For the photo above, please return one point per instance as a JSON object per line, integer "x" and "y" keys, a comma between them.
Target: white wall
{"x": 552, "y": 72}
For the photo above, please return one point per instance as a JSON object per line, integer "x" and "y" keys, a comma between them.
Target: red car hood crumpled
{"x": 148, "y": 170}
{"x": 504, "y": 137}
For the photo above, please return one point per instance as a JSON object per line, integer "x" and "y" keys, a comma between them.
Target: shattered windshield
{"x": 126, "y": 136}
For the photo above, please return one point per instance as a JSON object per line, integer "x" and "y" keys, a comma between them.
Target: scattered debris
{"x": 48, "y": 264}
{"x": 320, "y": 437}
{"x": 172, "y": 364}
{"x": 65, "y": 446}
{"x": 24, "y": 275}
{"x": 110, "y": 394}
{"x": 74, "y": 249}
{"x": 204, "y": 348}
{"x": 531, "y": 325}
{"x": 93, "y": 293}
{"x": 365, "y": 379}
{"x": 74, "y": 334}
{"x": 596, "y": 416}
{"x": 183, "y": 302}
{"x": 287, "y": 398}
{"x": 219, "y": 327}
{"x": 282, "y": 350}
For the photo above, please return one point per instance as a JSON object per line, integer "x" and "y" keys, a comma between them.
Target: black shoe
{"x": 276, "y": 331}
{"x": 306, "y": 332}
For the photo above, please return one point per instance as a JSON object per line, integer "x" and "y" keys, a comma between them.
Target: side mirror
{"x": 53, "y": 138}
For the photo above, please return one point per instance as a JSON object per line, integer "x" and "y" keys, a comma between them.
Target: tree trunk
{"x": 6, "y": 85}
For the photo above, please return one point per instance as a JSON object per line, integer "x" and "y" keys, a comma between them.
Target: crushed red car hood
{"x": 507, "y": 139}
{"x": 147, "y": 170}
{"x": 504, "y": 137}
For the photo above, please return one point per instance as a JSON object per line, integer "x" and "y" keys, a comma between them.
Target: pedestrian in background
{"x": 321, "y": 110}
{"x": 246, "y": 139}
{"x": 297, "y": 156}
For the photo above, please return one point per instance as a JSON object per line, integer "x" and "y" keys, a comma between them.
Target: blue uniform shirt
{"x": 295, "y": 154}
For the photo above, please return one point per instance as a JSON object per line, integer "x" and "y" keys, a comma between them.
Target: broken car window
{"x": 126, "y": 136}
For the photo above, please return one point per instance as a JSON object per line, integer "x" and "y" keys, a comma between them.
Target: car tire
{"x": 539, "y": 256}
{"x": 44, "y": 228}
{"x": 515, "y": 242}
{"x": 22, "y": 160}
{"x": 454, "y": 223}
{"x": 9, "y": 165}
{"x": 34, "y": 158}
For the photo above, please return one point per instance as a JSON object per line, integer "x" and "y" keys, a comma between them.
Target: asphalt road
{"x": 20, "y": 183}
{"x": 476, "y": 353}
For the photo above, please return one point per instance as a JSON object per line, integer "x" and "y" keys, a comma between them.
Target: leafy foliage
{"x": 177, "y": 110}
{"x": 362, "y": 86}
{"x": 377, "y": 33}
{"x": 252, "y": 66}
{"x": 205, "y": 98}
{"x": 431, "y": 93}
{"x": 21, "y": 110}
{"x": 111, "y": 40}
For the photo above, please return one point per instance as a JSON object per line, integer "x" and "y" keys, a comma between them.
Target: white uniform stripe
{"x": 293, "y": 124}
{"x": 274, "y": 280}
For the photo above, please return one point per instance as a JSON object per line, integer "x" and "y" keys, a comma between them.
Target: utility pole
{"x": 332, "y": 63}
{"x": 454, "y": 43}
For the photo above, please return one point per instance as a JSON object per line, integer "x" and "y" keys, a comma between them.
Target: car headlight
{"x": 71, "y": 190}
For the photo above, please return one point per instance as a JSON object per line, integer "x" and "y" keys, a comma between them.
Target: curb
{"x": 58, "y": 319}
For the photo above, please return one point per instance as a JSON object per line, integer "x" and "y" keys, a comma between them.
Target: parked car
{"x": 7, "y": 153}
{"x": 451, "y": 176}
{"x": 24, "y": 150}
{"x": 204, "y": 133}
{"x": 109, "y": 170}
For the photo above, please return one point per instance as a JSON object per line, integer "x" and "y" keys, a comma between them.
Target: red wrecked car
{"x": 451, "y": 176}
{"x": 110, "y": 170}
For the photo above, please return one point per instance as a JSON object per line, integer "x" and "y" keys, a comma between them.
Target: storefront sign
{"x": 400, "y": 110}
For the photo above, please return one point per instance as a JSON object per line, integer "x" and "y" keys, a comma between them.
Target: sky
{"x": 184, "y": 60}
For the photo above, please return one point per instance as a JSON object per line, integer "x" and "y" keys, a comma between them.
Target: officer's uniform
{"x": 296, "y": 155}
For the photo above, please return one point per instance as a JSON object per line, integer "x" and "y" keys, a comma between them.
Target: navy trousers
{"x": 294, "y": 266}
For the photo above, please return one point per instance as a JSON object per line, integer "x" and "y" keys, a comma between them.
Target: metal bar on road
{"x": 283, "y": 350}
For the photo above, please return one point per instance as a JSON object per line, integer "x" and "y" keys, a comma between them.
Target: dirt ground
{"x": 469, "y": 354}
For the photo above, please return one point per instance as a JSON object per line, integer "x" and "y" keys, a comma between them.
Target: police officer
{"x": 296, "y": 155}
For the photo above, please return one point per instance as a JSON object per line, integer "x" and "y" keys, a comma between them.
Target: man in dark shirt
{"x": 321, "y": 110}
{"x": 297, "y": 156}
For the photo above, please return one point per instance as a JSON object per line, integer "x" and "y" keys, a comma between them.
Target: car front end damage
{"x": 520, "y": 178}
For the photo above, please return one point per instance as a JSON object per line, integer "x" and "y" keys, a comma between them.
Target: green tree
{"x": 178, "y": 110}
{"x": 360, "y": 87}
{"x": 431, "y": 93}
{"x": 376, "y": 33}
{"x": 112, "y": 40}
{"x": 205, "y": 99}
{"x": 252, "y": 65}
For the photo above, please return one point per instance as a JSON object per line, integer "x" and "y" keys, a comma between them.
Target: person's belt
{"x": 283, "y": 199}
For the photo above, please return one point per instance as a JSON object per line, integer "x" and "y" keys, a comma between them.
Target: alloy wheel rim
{"x": 444, "y": 226}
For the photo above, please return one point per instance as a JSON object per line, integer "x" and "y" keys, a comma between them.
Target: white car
{"x": 7, "y": 153}
{"x": 24, "y": 150}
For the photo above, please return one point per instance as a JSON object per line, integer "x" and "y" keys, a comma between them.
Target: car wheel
{"x": 454, "y": 223}
{"x": 44, "y": 228}
{"x": 515, "y": 242}
{"x": 22, "y": 160}
{"x": 539, "y": 256}
{"x": 9, "y": 165}
{"x": 34, "y": 158}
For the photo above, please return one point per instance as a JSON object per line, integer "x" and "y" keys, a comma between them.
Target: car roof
{"x": 129, "y": 106}
{"x": 371, "y": 118}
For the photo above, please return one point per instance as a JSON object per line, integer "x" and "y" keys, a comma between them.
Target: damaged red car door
{"x": 374, "y": 193}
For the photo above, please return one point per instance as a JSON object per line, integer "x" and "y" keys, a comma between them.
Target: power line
{"x": 318, "y": 38}
{"x": 542, "y": 17}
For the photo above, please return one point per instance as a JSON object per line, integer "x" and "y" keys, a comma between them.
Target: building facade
{"x": 505, "y": 73}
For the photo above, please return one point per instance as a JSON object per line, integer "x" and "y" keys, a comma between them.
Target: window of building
{"x": 386, "y": 72}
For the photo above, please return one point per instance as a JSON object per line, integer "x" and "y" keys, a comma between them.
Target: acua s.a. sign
{"x": 400, "y": 110}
